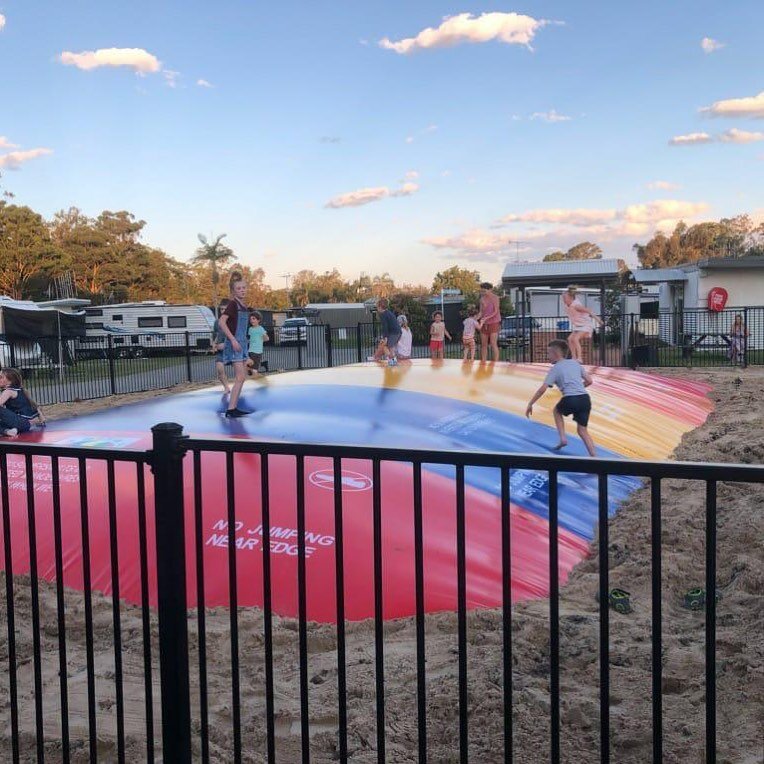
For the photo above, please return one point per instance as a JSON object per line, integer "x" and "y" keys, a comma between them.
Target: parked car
{"x": 294, "y": 331}
{"x": 515, "y": 330}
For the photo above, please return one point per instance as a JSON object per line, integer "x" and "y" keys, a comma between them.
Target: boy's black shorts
{"x": 580, "y": 406}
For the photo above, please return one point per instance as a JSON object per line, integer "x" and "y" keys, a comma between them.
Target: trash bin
{"x": 640, "y": 356}
{"x": 563, "y": 325}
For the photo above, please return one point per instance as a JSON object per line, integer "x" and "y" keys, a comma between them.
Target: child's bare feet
{"x": 560, "y": 446}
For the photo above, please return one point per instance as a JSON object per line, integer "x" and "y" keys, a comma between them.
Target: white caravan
{"x": 135, "y": 329}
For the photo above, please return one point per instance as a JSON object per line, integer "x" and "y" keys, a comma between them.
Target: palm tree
{"x": 214, "y": 254}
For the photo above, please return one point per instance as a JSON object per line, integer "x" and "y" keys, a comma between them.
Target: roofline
{"x": 730, "y": 263}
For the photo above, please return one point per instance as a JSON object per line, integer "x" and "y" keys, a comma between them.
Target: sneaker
{"x": 236, "y": 413}
{"x": 392, "y": 362}
{"x": 11, "y": 433}
{"x": 371, "y": 358}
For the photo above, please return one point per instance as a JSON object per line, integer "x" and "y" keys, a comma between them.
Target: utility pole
{"x": 517, "y": 244}
{"x": 287, "y": 278}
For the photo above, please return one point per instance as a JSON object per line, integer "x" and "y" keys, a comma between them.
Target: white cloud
{"x": 509, "y": 28}
{"x": 550, "y": 116}
{"x": 690, "y": 139}
{"x": 710, "y": 45}
{"x": 406, "y": 189}
{"x": 171, "y": 78}
{"x": 137, "y": 59}
{"x": 204, "y": 84}
{"x": 575, "y": 217}
{"x": 409, "y": 139}
{"x": 330, "y": 139}
{"x": 663, "y": 185}
{"x": 410, "y": 175}
{"x": 6, "y": 144}
{"x": 561, "y": 229}
{"x": 2, "y": 21}
{"x": 431, "y": 129}
{"x": 662, "y": 209}
{"x": 733, "y": 135}
{"x": 364, "y": 196}
{"x": 751, "y": 106}
{"x": 14, "y": 159}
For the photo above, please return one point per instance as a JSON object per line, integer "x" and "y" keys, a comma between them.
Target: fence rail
{"x": 59, "y": 370}
{"x": 176, "y": 516}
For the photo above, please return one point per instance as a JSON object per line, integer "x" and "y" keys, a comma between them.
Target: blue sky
{"x": 456, "y": 149}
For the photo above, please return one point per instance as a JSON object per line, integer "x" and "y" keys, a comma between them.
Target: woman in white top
{"x": 403, "y": 349}
{"x": 582, "y": 322}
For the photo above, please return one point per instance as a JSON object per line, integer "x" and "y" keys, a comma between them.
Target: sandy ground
{"x": 733, "y": 433}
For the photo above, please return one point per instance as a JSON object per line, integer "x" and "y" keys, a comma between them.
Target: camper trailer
{"x": 137, "y": 329}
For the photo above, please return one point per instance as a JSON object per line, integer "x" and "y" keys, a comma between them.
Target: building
{"x": 686, "y": 287}
{"x": 684, "y": 292}
{"x": 338, "y": 315}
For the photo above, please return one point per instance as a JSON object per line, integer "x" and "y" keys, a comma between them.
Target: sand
{"x": 733, "y": 433}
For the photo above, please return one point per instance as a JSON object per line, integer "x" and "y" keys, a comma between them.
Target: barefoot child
{"x": 17, "y": 410}
{"x": 218, "y": 343}
{"x": 572, "y": 379}
{"x": 438, "y": 333}
{"x": 391, "y": 333}
{"x": 471, "y": 326}
{"x": 256, "y": 336}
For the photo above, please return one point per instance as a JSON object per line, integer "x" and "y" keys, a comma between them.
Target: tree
{"x": 26, "y": 249}
{"x": 466, "y": 281}
{"x": 309, "y": 287}
{"x": 730, "y": 237}
{"x": 585, "y": 250}
{"x": 215, "y": 254}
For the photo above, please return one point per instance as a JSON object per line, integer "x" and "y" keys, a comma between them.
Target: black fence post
{"x": 746, "y": 331}
{"x": 110, "y": 358}
{"x": 188, "y": 357}
{"x": 358, "y": 342}
{"x": 329, "y": 353}
{"x": 167, "y": 466}
{"x": 300, "y": 338}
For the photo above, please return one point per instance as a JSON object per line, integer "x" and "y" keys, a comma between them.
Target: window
{"x": 93, "y": 312}
{"x": 97, "y": 325}
{"x": 150, "y": 322}
{"x": 176, "y": 322}
{"x": 649, "y": 310}
{"x": 117, "y": 317}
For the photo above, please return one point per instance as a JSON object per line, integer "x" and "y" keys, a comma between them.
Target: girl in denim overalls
{"x": 234, "y": 323}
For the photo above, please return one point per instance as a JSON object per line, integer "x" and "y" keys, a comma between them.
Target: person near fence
{"x": 256, "y": 336}
{"x": 403, "y": 350}
{"x": 582, "y": 321}
{"x": 391, "y": 333}
{"x": 471, "y": 326}
{"x": 738, "y": 341}
{"x": 218, "y": 344}
{"x": 572, "y": 380}
{"x": 438, "y": 334}
{"x": 489, "y": 316}
{"x": 18, "y": 412}
{"x": 234, "y": 323}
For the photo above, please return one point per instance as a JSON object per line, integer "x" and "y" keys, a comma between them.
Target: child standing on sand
{"x": 471, "y": 326}
{"x": 438, "y": 333}
{"x": 572, "y": 380}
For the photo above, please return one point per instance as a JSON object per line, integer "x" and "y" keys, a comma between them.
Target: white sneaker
{"x": 11, "y": 433}
{"x": 371, "y": 358}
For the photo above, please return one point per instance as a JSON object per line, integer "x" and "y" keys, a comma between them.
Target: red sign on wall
{"x": 717, "y": 299}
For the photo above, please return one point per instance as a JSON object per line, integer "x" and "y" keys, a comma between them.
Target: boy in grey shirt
{"x": 572, "y": 379}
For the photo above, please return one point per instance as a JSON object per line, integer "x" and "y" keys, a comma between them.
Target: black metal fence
{"x": 184, "y": 729}
{"x": 91, "y": 367}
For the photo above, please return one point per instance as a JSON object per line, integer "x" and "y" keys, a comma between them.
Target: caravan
{"x": 137, "y": 329}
